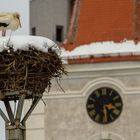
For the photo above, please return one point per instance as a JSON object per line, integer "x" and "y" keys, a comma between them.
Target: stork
{"x": 9, "y": 21}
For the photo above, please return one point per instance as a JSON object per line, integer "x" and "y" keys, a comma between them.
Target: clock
{"x": 104, "y": 105}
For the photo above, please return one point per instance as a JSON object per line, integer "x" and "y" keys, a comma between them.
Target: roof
{"x": 102, "y": 21}
{"x": 103, "y": 52}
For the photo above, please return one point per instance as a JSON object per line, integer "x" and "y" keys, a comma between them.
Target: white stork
{"x": 9, "y": 21}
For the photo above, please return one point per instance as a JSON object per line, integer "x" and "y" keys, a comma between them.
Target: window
{"x": 59, "y": 33}
{"x": 33, "y": 31}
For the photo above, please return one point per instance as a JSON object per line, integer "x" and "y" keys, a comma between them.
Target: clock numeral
{"x": 111, "y": 117}
{"x": 92, "y": 99}
{"x": 92, "y": 113}
{"x": 118, "y": 104}
{"x": 110, "y": 94}
{"x": 97, "y": 93}
{"x": 91, "y": 106}
{"x": 104, "y": 91}
{"x": 104, "y": 119}
{"x": 116, "y": 97}
{"x": 116, "y": 111}
{"x": 97, "y": 117}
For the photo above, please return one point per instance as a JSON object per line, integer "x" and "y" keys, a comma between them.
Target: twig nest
{"x": 30, "y": 69}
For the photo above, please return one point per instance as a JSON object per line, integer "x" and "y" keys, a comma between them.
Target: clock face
{"x": 104, "y": 105}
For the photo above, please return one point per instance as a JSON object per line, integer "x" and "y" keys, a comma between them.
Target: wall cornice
{"x": 94, "y": 84}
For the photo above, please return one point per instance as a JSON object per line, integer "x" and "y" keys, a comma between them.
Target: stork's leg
{"x": 3, "y": 33}
{"x": 9, "y": 38}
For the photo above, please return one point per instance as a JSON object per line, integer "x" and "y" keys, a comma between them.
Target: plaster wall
{"x": 65, "y": 116}
{"x": 45, "y": 15}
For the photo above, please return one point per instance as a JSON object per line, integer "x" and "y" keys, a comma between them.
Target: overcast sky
{"x": 21, "y": 6}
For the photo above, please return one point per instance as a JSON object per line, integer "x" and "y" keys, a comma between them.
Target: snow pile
{"x": 26, "y": 42}
{"x": 98, "y": 49}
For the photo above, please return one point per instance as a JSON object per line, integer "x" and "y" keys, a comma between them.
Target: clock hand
{"x": 105, "y": 112}
{"x": 110, "y": 106}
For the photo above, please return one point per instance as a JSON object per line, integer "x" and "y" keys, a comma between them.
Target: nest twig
{"x": 31, "y": 70}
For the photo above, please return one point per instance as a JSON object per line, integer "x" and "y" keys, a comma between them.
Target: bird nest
{"x": 30, "y": 70}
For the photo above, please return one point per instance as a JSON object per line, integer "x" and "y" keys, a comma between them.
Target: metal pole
{"x": 15, "y": 132}
{"x": 14, "y": 126}
{"x": 35, "y": 102}
{"x": 4, "y": 116}
{"x": 9, "y": 111}
{"x": 19, "y": 109}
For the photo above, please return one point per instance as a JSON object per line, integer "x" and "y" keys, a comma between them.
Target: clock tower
{"x": 100, "y": 97}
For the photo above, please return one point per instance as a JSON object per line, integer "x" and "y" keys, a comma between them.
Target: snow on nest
{"x": 24, "y": 42}
{"x": 108, "y": 48}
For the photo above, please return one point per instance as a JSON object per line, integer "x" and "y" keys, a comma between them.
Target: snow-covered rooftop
{"x": 99, "y": 49}
{"x": 24, "y": 42}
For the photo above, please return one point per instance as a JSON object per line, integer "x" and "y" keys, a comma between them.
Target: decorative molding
{"x": 33, "y": 129}
{"x": 108, "y": 133}
{"x": 102, "y": 70}
{"x": 103, "y": 67}
{"x": 95, "y": 75}
{"x": 37, "y": 114}
{"x": 94, "y": 84}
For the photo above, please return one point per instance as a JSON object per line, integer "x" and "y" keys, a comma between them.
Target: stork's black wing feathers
{"x": 3, "y": 24}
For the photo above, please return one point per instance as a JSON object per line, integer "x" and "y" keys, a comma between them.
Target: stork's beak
{"x": 19, "y": 23}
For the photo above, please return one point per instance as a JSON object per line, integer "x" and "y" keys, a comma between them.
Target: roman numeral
{"x": 97, "y": 117}
{"x": 111, "y": 117}
{"x": 116, "y": 111}
{"x": 90, "y": 106}
{"x": 92, "y": 113}
{"x": 110, "y": 94}
{"x": 104, "y": 91}
{"x": 118, "y": 104}
{"x": 104, "y": 119}
{"x": 91, "y": 99}
{"x": 97, "y": 93}
{"x": 115, "y": 98}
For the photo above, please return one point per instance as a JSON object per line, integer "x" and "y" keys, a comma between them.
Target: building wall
{"x": 46, "y": 14}
{"x": 35, "y": 124}
{"x": 65, "y": 116}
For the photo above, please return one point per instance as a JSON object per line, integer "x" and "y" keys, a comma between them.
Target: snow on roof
{"x": 24, "y": 42}
{"x": 108, "y": 48}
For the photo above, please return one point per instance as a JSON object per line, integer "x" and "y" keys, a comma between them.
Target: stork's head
{"x": 17, "y": 16}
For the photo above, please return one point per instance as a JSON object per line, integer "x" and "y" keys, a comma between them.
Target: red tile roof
{"x": 101, "y": 20}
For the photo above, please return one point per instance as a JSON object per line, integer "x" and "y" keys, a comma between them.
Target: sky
{"x": 21, "y": 6}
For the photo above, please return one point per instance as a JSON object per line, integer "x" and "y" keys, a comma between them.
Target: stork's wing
{"x": 4, "y": 14}
{"x": 5, "y": 18}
